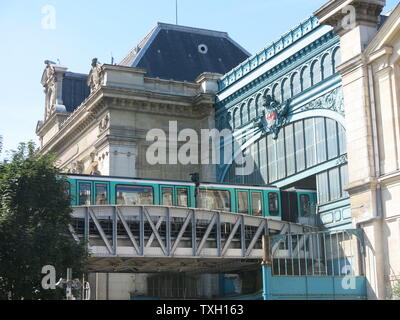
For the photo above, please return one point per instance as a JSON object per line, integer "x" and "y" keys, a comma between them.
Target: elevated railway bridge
{"x": 170, "y": 239}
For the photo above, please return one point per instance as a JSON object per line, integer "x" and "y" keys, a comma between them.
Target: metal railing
{"x": 334, "y": 253}
{"x": 158, "y": 231}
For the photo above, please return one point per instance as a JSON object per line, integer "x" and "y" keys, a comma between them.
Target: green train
{"x": 294, "y": 206}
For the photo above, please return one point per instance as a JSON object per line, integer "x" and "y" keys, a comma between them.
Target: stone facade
{"x": 106, "y": 135}
{"x": 371, "y": 83}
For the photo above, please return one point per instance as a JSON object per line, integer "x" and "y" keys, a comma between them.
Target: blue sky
{"x": 87, "y": 28}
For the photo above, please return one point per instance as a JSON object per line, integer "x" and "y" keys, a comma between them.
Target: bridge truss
{"x": 171, "y": 239}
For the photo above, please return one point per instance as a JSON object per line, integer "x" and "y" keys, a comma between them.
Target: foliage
{"x": 396, "y": 291}
{"x": 35, "y": 215}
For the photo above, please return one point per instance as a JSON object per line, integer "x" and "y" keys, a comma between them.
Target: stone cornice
{"x": 138, "y": 100}
{"x": 335, "y": 12}
{"x": 56, "y": 117}
{"x": 365, "y": 185}
{"x": 384, "y": 51}
{"x": 299, "y": 60}
{"x": 269, "y": 52}
{"x": 352, "y": 64}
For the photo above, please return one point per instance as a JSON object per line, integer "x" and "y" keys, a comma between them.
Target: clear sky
{"x": 86, "y": 29}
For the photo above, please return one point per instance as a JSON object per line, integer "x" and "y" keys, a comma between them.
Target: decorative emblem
{"x": 274, "y": 116}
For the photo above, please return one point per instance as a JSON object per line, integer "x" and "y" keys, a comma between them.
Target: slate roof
{"x": 183, "y": 53}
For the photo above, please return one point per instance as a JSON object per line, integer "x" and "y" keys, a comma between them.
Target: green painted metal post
{"x": 266, "y": 268}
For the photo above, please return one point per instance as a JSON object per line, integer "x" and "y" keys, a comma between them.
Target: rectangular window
{"x": 323, "y": 187}
{"x": 305, "y": 205}
{"x": 280, "y": 154}
{"x": 273, "y": 204}
{"x": 256, "y": 204}
{"x": 214, "y": 200}
{"x": 290, "y": 151}
{"x": 243, "y": 202}
{"x": 101, "y": 194}
{"x": 84, "y": 194}
{"x": 67, "y": 187}
{"x": 334, "y": 184}
{"x": 320, "y": 139}
{"x": 342, "y": 140}
{"x": 344, "y": 175}
{"x": 310, "y": 142}
{"x": 263, "y": 160}
{"x": 167, "y": 196}
{"x": 183, "y": 198}
{"x": 134, "y": 195}
{"x": 299, "y": 141}
{"x": 332, "y": 138}
{"x": 272, "y": 163}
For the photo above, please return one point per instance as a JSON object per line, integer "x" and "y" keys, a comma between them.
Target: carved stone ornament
{"x": 104, "y": 123}
{"x": 77, "y": 167}
{"x": 330, "y": 101}
{"x": 96, "y": 76}
{"x": 274, "y": 115}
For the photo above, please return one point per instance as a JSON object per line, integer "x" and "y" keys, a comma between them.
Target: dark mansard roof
{"x": 183, "y": 53}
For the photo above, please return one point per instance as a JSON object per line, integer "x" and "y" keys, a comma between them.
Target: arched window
{"x": 259, "y": 107}
{"x": 286, "y": 92}
{"x": 252, "y": 110}
{"x": 276, "y": 93}
{"x": 336, "y": 59}
{"x": 315, "y": 72}
{"x": 244, "y": 115}
{"x": 236, "y": 118}
{"x": 296, "y": 85}
{"x": 305, "y": 78}
{"x": 326, "y": 66}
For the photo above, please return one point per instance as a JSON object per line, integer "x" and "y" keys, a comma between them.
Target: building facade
{"x": 316, "y": 109}
{"x": 370, "y": 72}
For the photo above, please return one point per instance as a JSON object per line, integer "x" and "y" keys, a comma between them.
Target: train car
{"x": 250, "y": 200}
{"x": 296, "y": 205}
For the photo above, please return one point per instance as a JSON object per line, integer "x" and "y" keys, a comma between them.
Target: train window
{"x": 182, "y": 197}
{"x": 256, "y": 204}
{"x": 134, "y": 195}
{"x": 84, "y": 194}
{"x": 67, "y": 187}
{"x": 243, "y": 202}
{"x": 214, "y": 199}
{"x": 101, "y": 194}
{"x": 273, "y": 204}
{"x": 305, "y": 205}
{"x": 167, "y": 197}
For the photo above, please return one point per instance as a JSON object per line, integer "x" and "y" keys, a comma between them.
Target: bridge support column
{"x": 267, "y": 268}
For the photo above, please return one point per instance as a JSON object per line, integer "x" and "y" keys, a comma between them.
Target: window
{"x": 167, "y": 197}
{"x": 134, "y": 195}
{"x": 67, "y": 187}
{"x": 182, "y": 197}
{"x": 243, "y": 202}
{"x": 101, "y": 194}
{"x": 214, "y": 200}
{"x": 84, "y": 194}
{"x": 256, "y": 204}
{"x": 305, "y": 205}
{"x": 273, "y": 204}
{"x": 309, "y": 132}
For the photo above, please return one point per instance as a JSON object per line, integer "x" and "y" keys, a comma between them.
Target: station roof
{"x": 183, "y": 53}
